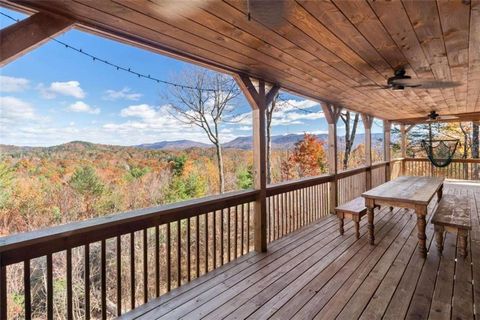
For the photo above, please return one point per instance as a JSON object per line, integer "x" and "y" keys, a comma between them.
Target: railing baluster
{"x": 28, "y": 294}
{"x": 214, "y": 243}
{"x": 132, "y": 270}
{"x": 222, "y": 257}
{"x": 157, "y": 261}
{"x": 49, "y": 286}
{"x": 3, "y": 290}
{"x": 145, "y": 266}
{"x": 189, "y": 262}
{"x": 119, "y": 275}
{"x": 248, "y": 228}
{"x": 179, "y": 253}
{"x": 243, "y": 227}
{"x": 169, "y": 258}
{"x": 87, "y": 281}
{"x": 103, "y": 266}
{"x": 197, "y": 245}
{"x": 206, "y": 243}
{"x": 236, "y": 232}
{"x": 69, "y": 285}
{"x": 229, "y": 235}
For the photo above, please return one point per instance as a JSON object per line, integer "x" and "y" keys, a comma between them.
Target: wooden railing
{"x": 464, "y": 169}
{"x": 294, "y": 204}
{"x": 103, "y": 267}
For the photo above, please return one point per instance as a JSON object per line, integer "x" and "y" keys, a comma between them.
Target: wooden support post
{"x": 30, "y": 33}
{"x": 367, "y": 123}
{"x": 332, "y": 113}
{"x": 259, "y": 99}
{"x": 387, "y": 127}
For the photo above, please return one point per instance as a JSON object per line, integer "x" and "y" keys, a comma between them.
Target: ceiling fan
{"x": 434, "y": 116}
{"x": 400, "y": 81}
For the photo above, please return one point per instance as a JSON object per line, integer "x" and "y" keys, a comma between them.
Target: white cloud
{"x": 12, "y": 108}
{"x": 68, "y": 88}
{"x": 289, "y": 112}
{"x": 12, "y": 84}
{"x": 144, "y": 111}
{"x": 81, "y": 106}
{"x": 125, "y": 93}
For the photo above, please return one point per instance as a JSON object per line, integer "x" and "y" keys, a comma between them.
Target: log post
{"x": 28, "y": 34}
{"x": 332, "y": 113}
{"x": 259, "y": 99}
{"x": 367, "y": 123}
{"x": 387, "y": 127}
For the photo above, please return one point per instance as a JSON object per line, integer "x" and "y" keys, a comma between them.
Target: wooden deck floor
{"x": 315, "y": 273}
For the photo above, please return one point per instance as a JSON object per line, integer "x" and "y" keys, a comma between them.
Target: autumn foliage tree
{"x": 308, "y": 158}
{"x": 86, "y": 182}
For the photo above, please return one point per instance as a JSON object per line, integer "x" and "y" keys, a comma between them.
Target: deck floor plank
{"x": 316, "y": 273}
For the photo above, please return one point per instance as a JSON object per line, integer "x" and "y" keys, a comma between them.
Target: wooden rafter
{"x": 30, "y": 33}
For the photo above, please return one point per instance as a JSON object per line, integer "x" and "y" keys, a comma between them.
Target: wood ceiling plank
{"x": 361, "y": 15}
{"x": 455, "y": 21}
{"x": 337, "y": 24}
{"x": 310, "y": 24}
{"x": 426, "y": 23}
{"x": 208, "y": 27}
{"x": 310, "y": 44}
{"x": 109, "y": 20}
{"x": 395, "y": 20}
{"x": 273, "y": 40}
{"x": 473, "y": 97}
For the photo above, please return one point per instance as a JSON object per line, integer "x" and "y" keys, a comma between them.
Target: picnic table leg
{"x": 462, "y": 243}
{"x": 340, "y": 223}
{"x": 370, "y": 204}
{"x": 439, "y": 237}
{"x": 440, "y": 193}
{"x": 421, "y": 212}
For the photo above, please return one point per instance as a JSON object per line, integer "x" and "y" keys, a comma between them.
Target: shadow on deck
{"x": 316, "y": 273}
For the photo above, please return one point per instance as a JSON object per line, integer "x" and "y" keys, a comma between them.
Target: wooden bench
{"x": 355, "y": 210}
{"x": 453, "y": 215}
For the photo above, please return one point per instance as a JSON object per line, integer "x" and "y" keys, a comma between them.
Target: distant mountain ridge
{"x": 244, "y": 143}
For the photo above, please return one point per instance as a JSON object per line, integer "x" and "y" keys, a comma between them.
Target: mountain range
{"x": 244, "y": 143}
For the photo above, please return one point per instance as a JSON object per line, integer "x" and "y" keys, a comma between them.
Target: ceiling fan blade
{"x": 447, "y": 117}
{"x": 426, "y": 84}
{"x": 372, "y": 86}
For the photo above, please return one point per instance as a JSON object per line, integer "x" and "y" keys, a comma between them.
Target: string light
{"x": 116, "y": 66}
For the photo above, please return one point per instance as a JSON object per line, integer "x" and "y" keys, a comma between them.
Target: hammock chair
{"x": 440, "y": 152}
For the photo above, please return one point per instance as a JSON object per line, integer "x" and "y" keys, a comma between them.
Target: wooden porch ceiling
{"x": 323, "y": 50}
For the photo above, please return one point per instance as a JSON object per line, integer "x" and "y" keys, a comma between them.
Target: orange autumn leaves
{"x": 308, "y": 159}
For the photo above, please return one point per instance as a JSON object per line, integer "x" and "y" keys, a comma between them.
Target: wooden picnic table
{"x": 405, "y": 192}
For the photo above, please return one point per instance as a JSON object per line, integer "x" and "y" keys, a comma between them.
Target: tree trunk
{"x": 349, "y": 137}
{"x": 269, "y": 154}
{"x": 221, "y": 176}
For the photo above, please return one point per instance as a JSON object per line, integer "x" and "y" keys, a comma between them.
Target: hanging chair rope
{"x": 439, "y": 152}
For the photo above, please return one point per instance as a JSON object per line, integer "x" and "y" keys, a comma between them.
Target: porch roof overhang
{"x": 323, "y": 50}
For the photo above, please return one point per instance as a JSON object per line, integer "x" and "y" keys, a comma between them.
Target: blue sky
{"x": 53, "y": 95}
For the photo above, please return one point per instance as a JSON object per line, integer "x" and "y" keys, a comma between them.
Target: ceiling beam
{"x": 30, "y": 33}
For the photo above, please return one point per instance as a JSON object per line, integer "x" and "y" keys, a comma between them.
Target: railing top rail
{"x": 282, "y": 187}
{"x": 17, "y": 247}
{"x": 352, "y": 172}
{"x": 471, "y": 160}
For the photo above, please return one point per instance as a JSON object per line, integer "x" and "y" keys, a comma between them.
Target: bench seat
{"x": 355, "y": 210}
{"x": 453, "y": 215}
